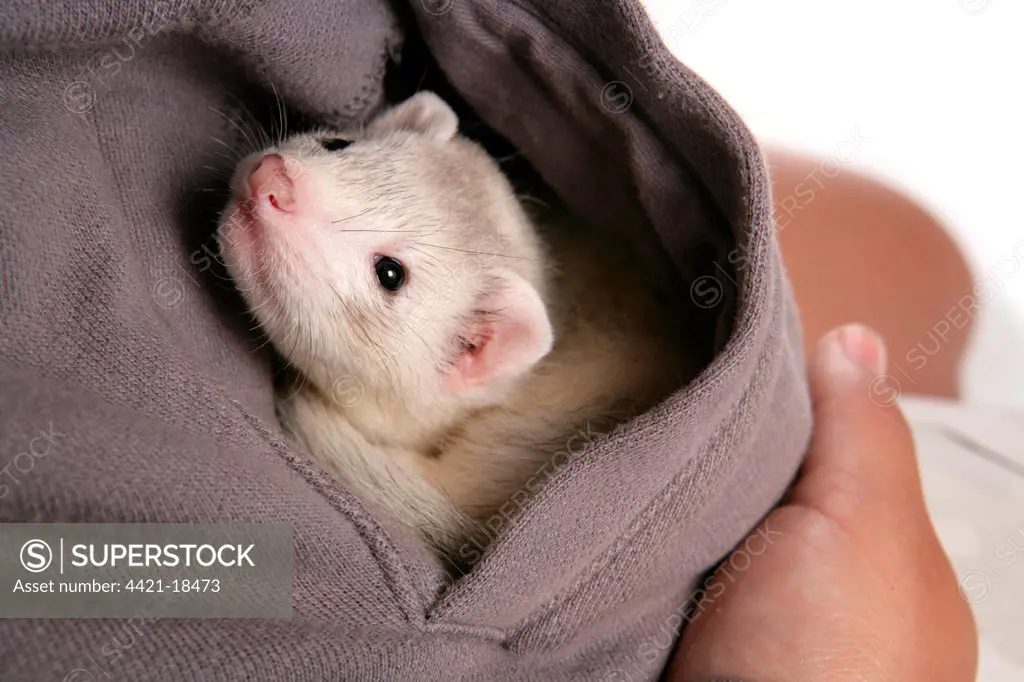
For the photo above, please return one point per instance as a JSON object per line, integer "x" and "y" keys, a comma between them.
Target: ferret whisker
{"x": 245, "y": 118}
{"x": 290, "y": 364}
{"x": 455, "y": 279}
{"x": 218, "y": 173}
{"x": 365, "y": 335}
{"x": 253, "y": 147}
{"x": 444, "y": 265}
{"x": 359, "y": 324}
{"x": 509, "y": 157}
{"x": 265, "y": 341}
{"x": 282, "y": 114}
{"x": 422, "y": 78}
{"x": 383, "y": 363}
{"x": 477, "y": 253}
{"x": 447, "y": 221}
{"x": 386, "y": 231}
{"x": 447, "y": 218}
{"x": 296, "y": 334}
{"x": 276, "y": 124}
{"x": 256, "y": 128}
{"x": 255, "y": 309}
{"x": 230, "y": 159}
{"x": 261, "y": 306}
{"x": 221, "y": 278}
{"x": 235, "y": 155}
{"x": 351, "y": 217}
{"x": 533, "y": 200}
{"x": 424, "y": 232}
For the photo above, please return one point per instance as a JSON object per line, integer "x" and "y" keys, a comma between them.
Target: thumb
{"x": 862, "y": 455}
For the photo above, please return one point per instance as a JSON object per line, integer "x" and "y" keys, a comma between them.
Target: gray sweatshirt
{"x": 115, "y": 327}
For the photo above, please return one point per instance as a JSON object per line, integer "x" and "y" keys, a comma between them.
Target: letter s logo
{"x": 36, "y": 556}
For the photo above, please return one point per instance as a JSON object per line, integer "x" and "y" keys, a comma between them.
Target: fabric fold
{"x": 119, "y": 327}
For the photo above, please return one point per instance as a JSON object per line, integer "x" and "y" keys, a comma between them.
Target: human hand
{"x": 855, "y": 585}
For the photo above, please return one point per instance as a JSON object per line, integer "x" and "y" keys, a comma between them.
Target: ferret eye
{"x": 390, "y": 272}
{"x": 334, "y": 144}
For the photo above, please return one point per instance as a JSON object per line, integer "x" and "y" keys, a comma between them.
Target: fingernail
{"x": 855, "y": 351}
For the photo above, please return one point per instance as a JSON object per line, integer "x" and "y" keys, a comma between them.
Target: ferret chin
{"x": 447, "y": 344}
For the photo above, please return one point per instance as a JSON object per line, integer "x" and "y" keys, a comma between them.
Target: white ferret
{"x": 445, "y": 348}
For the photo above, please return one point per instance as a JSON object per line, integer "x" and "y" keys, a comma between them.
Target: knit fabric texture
{"x": 116, "y": 328}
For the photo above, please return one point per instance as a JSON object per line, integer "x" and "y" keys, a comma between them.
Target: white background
{"x": 937, "y": 87}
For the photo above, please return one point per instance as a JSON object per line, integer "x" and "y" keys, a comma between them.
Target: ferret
{"x": 446, "y": 342}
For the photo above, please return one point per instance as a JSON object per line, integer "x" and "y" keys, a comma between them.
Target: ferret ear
{"x": 506, "y": 338}
{"x": 424, "y": 113}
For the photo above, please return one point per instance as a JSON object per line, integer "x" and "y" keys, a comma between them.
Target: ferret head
{"x": 392, "y": 265}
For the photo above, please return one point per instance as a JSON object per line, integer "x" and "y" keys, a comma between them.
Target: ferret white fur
{"x": 441, "y": 399}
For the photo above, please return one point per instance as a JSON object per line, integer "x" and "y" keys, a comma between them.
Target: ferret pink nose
{"x": 269, "y": 181}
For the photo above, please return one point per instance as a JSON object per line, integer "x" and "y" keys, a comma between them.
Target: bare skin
{"x": 856, "y": 586}
{"x": 861, "y": 251}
